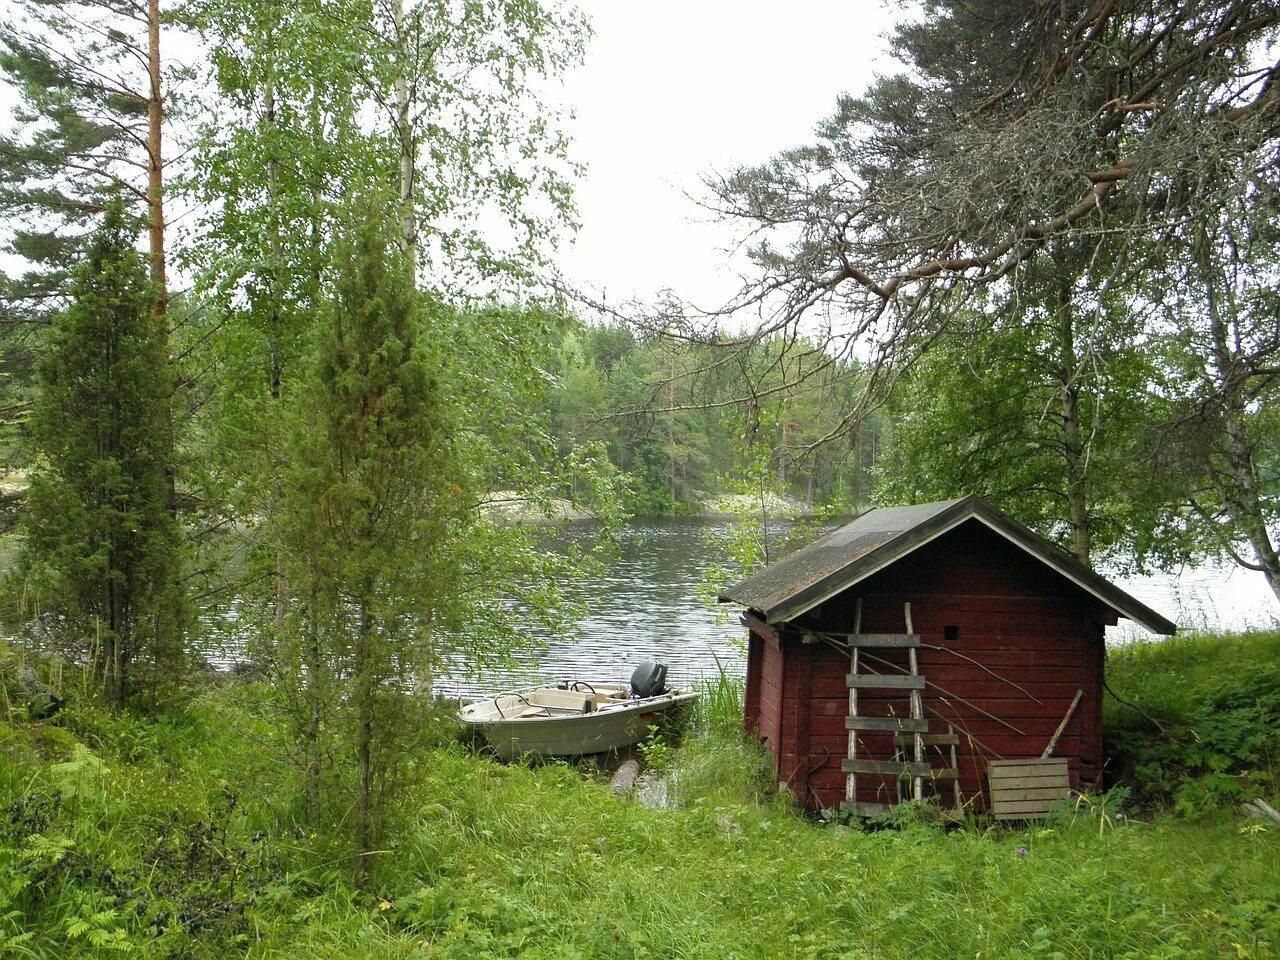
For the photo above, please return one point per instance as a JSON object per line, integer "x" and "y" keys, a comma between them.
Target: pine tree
{"x": 88, "y": 128}
{"x": 101, "y": 553}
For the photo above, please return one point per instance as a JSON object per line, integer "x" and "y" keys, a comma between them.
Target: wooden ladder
{"x": 912, "y": 729}
{"x": 950, "y": 741}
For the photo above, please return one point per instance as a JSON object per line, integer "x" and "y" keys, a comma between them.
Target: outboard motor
{"x": 649, "y": 679}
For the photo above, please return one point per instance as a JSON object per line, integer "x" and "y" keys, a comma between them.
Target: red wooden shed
{"x": 899, "y": 655}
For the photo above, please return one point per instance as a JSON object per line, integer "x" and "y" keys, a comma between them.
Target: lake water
{"x": 647, "y": 604}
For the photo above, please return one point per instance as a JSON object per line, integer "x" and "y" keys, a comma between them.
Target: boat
{"x": 575, "y": 717}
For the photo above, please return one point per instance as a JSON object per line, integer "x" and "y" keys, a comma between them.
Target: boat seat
{"x": 569, "y": 701}
{"x": 530, "y": 712}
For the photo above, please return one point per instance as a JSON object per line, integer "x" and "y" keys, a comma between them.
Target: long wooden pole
{"x": 1053, "y": 741}
{"x": 917, "y": 705}
{"x": 945, "y": 692}
{"x": 851, "y": 784}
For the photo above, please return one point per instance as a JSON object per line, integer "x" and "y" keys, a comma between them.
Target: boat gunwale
{"x": 622, "y": 707}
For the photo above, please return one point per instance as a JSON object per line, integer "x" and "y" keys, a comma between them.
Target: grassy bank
{"x": 178, "y": 837}
{"x": 1201, "y": 728}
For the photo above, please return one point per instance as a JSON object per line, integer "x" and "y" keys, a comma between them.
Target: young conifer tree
{"x": 101, "y": 555}
{"x": 372, "y": 507}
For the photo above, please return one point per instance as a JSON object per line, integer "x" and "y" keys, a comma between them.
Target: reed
{"x": 719, "y": 709}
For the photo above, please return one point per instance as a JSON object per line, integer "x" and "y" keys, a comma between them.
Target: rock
{"x": 25, "y": 689}
{"x": 743, "y": 505}
{"x": 510, "y": 506}
{"x": 624, "y": 778}
{"x": 653, "y": 791}
{"x": 1260, "y": 810}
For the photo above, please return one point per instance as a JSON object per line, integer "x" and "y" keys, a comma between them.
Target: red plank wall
{"x": 764, "y": 688}
{"x": 1030, "y": 627}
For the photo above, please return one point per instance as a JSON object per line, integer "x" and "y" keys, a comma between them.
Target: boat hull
{"x": 571, "y": 736}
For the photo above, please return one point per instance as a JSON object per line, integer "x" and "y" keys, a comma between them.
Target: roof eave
{"x": 1083, "y": 576}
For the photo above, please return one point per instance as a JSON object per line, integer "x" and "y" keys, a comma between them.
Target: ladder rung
{"x": 886, "y": 723}
{"x": 884, "y": 681}
{"x": 930, "y": 739}
{"x": 897, "y": 768}
{"x": 865, "y": 809}
{"x": 883, "y": 639}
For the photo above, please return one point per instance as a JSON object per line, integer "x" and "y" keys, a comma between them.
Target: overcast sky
{"x": 672, "y": 90}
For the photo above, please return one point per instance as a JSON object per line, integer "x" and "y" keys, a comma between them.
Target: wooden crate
{"x": 1027, "y": 789}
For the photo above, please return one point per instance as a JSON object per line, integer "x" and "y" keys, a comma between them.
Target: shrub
{"x": 1208, "y": 732}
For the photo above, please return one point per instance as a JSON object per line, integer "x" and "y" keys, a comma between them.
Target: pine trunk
{"x": 155, "y": 163}
{"x": 313, "y": 667}
{"x": 364, "y": 744}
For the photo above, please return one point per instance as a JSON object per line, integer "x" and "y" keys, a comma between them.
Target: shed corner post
{"x": 751, "y": 695}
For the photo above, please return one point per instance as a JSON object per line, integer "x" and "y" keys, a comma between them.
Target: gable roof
{"x": 832, "y": 564}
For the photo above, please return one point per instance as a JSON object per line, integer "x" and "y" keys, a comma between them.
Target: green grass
{"x": 177, "y": 837}
{"x": 1172, "y": 675}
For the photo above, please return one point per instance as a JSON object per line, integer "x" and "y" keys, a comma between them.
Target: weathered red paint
{"x": 1015, "y": 616}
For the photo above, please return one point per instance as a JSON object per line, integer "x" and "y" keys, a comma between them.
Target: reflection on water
{"x": 1210, "y": 597}
{"x": 647, "y": 605}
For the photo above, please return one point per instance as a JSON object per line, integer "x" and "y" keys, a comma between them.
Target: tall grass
{"x": 719, "y": 707}
{"x": 176, "y": 838}
{"x": 717, "y": 762}
{"x": 1199, "y": 727}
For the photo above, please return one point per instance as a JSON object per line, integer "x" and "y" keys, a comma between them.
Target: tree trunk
{"x": 313, "y": 667}
{"x": 155, "y": 211}
{"x": 1243, "y": 502}
{"x": 1239, "y": 488}
{"x": 155, "y": 163}
{"x": 364, "y": 744}
{"x": 275, "y": 359}
{"x": 404, "y": 133}
{"x": 1072, "y": 445}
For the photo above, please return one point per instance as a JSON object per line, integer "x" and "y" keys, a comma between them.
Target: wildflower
{"x": 1022, "y": 851}
{"x": 384, "y": 906}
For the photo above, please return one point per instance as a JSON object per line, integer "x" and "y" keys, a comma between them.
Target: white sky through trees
{"x": 673, "y": 90}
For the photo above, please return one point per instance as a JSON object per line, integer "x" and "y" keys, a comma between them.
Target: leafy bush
{"x": 1208, "y": 732}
